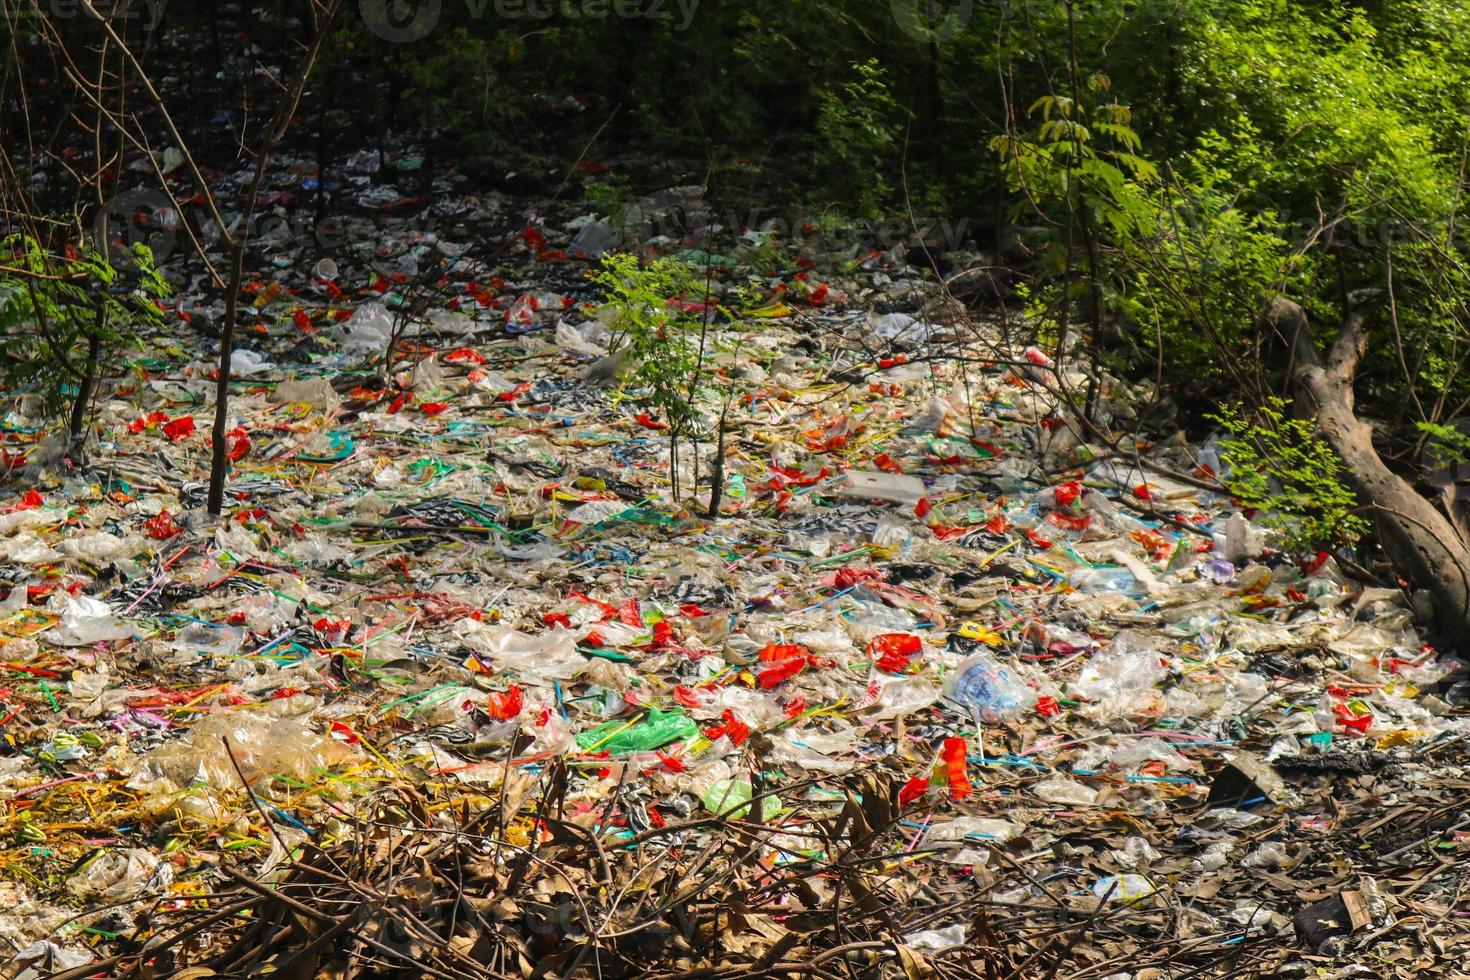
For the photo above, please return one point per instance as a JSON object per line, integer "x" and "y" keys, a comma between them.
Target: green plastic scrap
{"x": 341, "y": 446}
{"x": 731, "y": 798}
{"x": 657, "y": 730}
{"x": 433, "y": 466}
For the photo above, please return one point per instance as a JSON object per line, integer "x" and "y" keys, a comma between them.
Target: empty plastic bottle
{"x": 988, "y": 688}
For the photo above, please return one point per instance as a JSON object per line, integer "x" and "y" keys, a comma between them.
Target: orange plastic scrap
{"x": 954, "y": 765}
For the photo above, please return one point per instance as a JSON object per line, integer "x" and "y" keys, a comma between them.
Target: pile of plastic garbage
{"x": 1042, "y": 633}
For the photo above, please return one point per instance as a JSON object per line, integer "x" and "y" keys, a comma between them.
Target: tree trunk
{"x": 217, "y": 465}
{"x": 76, "y": 433}
{"x": 1420, "y": 541}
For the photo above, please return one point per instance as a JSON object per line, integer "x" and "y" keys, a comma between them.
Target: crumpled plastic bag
{"x": 368, "y": 331}
{"x": 117, "y": 876}
{"x": 85, "y": 621}
{"x": 264, "y": 746}
{"x": 550, "y": 656}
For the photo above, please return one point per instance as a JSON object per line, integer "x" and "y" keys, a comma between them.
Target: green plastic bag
{"x": 731, "y": 798}
{"x": 658, "y": 729}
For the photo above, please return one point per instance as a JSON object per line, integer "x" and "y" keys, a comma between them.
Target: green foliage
{"x": 858, "y": 129}
{"x": 610, "y": 196}
{"x": 52, "y": 307}
{"x": 1445, "y": 446}
{"x": 1277, "y": 464}
{"x": 658, "y": 338}
{"x": 1081, "y": 169}
{"x": 766, "y": 254}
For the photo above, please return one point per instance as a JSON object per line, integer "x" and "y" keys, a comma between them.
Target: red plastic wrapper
{"x": 1068, "y": 493}
{"x": 954, "y": 766}
{"x": 504, "y": 707}
{"x": 892, "y": 651}
{"x": 782, "y": 672}
{"x": 162, "y": 527}
{"x": 733, "y": 728}
{"x": 30, "y": 501}
{"x": 237, "y": 444}
{"x": 772, "y": 652}
{"x": 912, "y": 790}
{"x": 180, "y": 428}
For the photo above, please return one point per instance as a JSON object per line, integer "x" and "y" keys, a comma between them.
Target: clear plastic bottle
{"x": 989, "y": 688}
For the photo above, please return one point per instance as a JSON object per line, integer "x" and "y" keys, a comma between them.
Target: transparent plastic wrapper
{"x": 891, "y": 326}
{"x": 248, "y": 363}
{"x": 986, "y": 687}
{"x": 936, "y": 939}
{"x": 962, "y": 828}
{"x": 932, "y": 419}
{"x": 597, "y": 511}
{"x": 318, "y": 552}
{"x": 99, "y": 547}
{"x": 1060, "y": 789}
{"x": 316, "y": 392}
{"x": 206, "y": 639}
{"x": 754, "y": 707}
{"x": 266, "y": 612}
{"x": 27, "y": 548}
{"x": 263, "y": 746}
{"x": 1122, "y": 680}
{"x": 1129, "y": 754}
{"x": 867, "y": 614}
{"x": 200, "y": 810}
{"x": 1271, "y": 854}
{"x": 584, "y": 338}
{"x": 85, "y": 621}
{"x": 1123, "y": 889}
{"x": 881, "y": 486}
{"x": 810, "y": 753}
{"x": 894, "y": 696}
{"x": 34, "y": 517}
{"x": 368, "y": 331}
{"x": 45, "y": 958}
{"x": 117, "y": 876}
{"x": 1105, "y": 580}
{"x": 1215, "y": 856}
{"x": 1238, "y": 541}
{"x": 552, "y": 655}
{"x": 593, "y": 239}
{"x": 1136, "y": 853}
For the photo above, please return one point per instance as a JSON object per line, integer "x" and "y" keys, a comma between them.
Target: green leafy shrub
{"x": 856, "y": 123}
{"x": 610, "y": 196}
{"x": 657, "y": 339}
{"x": 1276, "y": 463}
{"x": 62, "y": 315}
